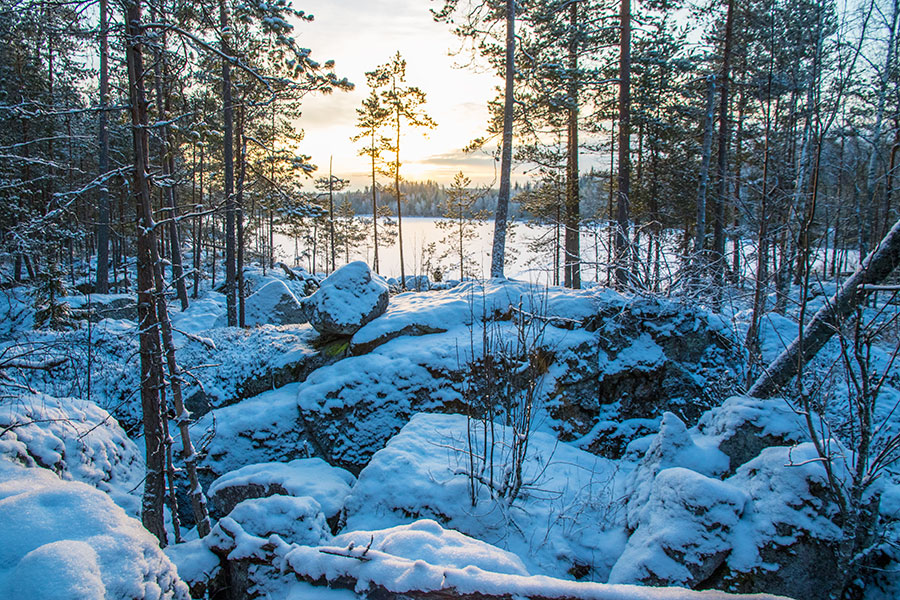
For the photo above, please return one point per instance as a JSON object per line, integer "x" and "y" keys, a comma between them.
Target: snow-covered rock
{"x": 198, "y": 566}
{"x": 264, "y": 428}
{"x": 743, "y": 426}
{"x": 275, "y": 304}
{"x": 684, "y": 533}
{"x": 787, "y": 540}
{"x": 348, "y": 299}
{"x": 312, "y": 477}
{"x": 673, "y": 446}
{"x": 427, "y": 540}
{"x": 648, "y": 356}
{"x": 294, "y": 520}
{"x": 75, "y": 439}
{"x": 66, "y": 540}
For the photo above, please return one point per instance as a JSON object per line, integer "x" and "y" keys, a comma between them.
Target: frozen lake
{"x": 527, "y": 261}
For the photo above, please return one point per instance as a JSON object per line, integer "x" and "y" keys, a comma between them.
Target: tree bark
{"x": 167, "y": 161}
{"x": 498, "y": 251}
{"x": 724, "y": 135}
{"x": 151, "y": 367}
{"x": 228, "y": 115}
{"x": 700, "y": 238}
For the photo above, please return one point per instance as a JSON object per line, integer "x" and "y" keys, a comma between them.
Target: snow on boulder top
{"x": 683, "y": 535}
{"x": 275, "y": 304}
{"x": 426, "y": 540}
{"x": 348, "y": 299}
{"x": 742, "y": 426}
{"x": 294, "y": 520}
{"x": 65, "y": 539}
{"x": 302, "y": 477}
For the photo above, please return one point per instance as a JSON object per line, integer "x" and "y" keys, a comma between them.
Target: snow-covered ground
{"x": 603, "y": 448}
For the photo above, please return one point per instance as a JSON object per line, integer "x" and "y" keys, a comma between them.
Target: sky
{"x": 359, "y": 35}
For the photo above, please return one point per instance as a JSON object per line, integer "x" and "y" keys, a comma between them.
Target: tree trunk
{"x": 700, "y": 239}
{"x": 724, "y": 134}
{"x": 228, "y": 114}
{"x": 624, "y": 178}
{"x": 151, "y": 367}
{"x": 573, "y": 209}
{"x": 876, "y": 266}
{"x": 102, "y": 285}
{"x": 239, "y": 217}
{"x": 498, "y": 251}
{"x": 374, "y": 206}
{"x": 167, "y": 161}
{"x": 331, "y": 210}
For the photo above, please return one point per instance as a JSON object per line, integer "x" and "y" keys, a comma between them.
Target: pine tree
{"x": 405, "y": 106}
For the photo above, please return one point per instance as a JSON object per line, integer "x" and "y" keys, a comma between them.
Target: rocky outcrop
{"x": 348, "y": 299}
{"x": 647, "y": 357}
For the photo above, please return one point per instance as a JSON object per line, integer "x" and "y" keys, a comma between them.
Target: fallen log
{"x": 876, "y": 266}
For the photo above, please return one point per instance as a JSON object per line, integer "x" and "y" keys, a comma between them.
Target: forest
{"x": 203, "y": 358}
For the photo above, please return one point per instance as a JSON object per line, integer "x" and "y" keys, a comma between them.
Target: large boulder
{"x": 348, "y": 299}
{"x": 312, "y": 477}
{"x": 685, "y": 533}
{"x": 274, "y": 304}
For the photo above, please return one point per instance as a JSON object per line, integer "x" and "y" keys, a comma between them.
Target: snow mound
{"x": 426, "y": 540}
{"x": 348, "y": 299}
{"x": 377, "y": 574}
{"x": 788, "y": 540}
{"x": 75, "y": 439}
{"x": 275, "y": 304}
{"x": 566, "y": 509}
{"x": 66, "y": 539}
{"x": 685, "y": 531}
{"x": 673, "y": 446}
{"x": 302, "y": 477}
{"x": 197, "y": 566}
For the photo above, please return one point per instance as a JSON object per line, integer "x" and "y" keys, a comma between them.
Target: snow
{"x": 402, "y": 575}
{"x": 295, "y": 520}
{"x": 348, "y": 299}
{"x": 643, "y": 355}
{"x": 75, "y": 439}
{"x": 195, "y": 562}
{"x": 474, "y": 301}
{"x": 302, "y": 477}
{"x": 673, "y": 446}
{"x": 263, "y": 428}
{"x": 684, "y": 533}
{"x": 567, "y": 508}
{"x": 426, "y": 540}
{"x": 787, "y": 486}
{"x": 67, "y": 539}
